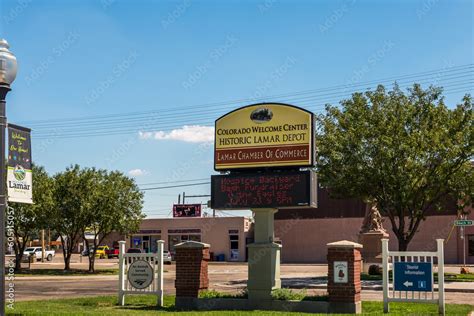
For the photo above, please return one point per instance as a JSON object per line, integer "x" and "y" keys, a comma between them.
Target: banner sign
{"x": 19, "y": 175}
{"x": 187, "y": 210}
{"x": 264, "y": 135}
{"x": 264, "y": 190}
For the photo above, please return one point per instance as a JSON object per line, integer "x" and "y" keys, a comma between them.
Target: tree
{"x": 74, "y": 194}
{"x": 28, "y": 219}
{"x": 405, "y": 152}
{"x": 117, "y": 207}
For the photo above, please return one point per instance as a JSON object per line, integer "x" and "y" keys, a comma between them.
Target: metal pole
{"x": 385, "y": 274}
{"x": 463, "y": 246}
{"x": 184, "y": 197}
{"x": 4, "y": 89}
{"x": 42, "y": 245}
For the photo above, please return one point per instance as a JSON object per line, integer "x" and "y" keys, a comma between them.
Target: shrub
{"x": 375, "y": 270}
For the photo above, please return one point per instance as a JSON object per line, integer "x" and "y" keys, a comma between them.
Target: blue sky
{"x": 106, "y": 57}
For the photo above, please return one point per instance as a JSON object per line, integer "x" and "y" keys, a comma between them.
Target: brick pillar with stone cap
{"x": 191, "y": 271}
{"x": 344, "y": 268}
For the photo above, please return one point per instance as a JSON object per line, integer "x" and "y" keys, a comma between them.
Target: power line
{"x": 178, "y": 181}
{"x": 122, "y": 126}
{"x": 436, "y": 73}
{"x": 175, "y": 186}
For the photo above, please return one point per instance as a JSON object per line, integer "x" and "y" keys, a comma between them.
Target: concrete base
{"x": 322, "y": 307}
{"x": 372, "y": 246}
{"x": 264, "y": 270}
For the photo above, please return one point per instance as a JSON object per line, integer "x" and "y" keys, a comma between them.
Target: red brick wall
{"x": 191, "y": 271}
{"x": 350, "y": 291}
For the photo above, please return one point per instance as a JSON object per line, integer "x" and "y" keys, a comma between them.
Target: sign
{"x": 464, "y": 222}
{"x": 269, "y": 189}
{"x": 413, "y": 276}
{"x": 264, "y": 135}
{"x": 340, "y": 272}
{"x": 19, "y": 175}
{"x": 136, "y": 241}
{"x": 140, "y": 274}
{"x": 187, "y": 210}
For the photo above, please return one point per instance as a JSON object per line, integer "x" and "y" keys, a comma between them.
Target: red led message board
{"x": 187, "y": 210}
{"x": 264, "y": 190}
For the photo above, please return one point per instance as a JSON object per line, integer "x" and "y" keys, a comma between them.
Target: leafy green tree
{"x": 405, "y": 152}
{"x": 74, "y": 195}
{"x": 28, "y": 219}
{"x": 117, "y": 207}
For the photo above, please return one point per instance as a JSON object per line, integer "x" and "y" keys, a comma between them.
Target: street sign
{"x": 413, "y": 276}
{"x": 464, "y": 222}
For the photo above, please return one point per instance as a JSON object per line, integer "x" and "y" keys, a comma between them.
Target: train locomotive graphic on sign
{"x": 264, "y": 135}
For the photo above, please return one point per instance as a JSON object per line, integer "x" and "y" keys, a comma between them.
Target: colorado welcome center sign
{"x": 260, "y": 150}
{"x": 264, "y": 135}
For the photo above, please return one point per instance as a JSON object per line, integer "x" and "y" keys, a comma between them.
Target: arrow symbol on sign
{"x": 408, "y": 284}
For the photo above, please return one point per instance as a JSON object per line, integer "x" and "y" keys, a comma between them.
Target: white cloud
{"x": 137, "y": 172}
{"x": 187, "y": 133}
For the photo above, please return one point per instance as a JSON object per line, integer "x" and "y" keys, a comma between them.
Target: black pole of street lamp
{"x": 8, "y": 68}
{"x": 4, "y": 88}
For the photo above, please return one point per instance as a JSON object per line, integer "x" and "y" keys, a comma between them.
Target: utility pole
{"x": 184, "y": 197}
{"x": 42, "y": 245}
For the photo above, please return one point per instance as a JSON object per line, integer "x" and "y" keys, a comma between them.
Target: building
{"x": 304, "y": 233}
{"x": 228, "y": 236}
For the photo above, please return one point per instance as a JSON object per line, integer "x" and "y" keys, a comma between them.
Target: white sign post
{"x": 412, "y": 276}
{"x": 141, "y": 273}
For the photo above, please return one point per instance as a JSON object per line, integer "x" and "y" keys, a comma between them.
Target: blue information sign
{"x": 413, "y": 276}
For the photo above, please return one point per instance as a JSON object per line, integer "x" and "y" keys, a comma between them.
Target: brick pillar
{"x": 344, "y": 267}
{"x": 191, "y": 272}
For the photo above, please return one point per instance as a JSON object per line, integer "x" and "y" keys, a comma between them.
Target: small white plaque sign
{"x": 140, "y": 274}
{"x": 340, "y": 272}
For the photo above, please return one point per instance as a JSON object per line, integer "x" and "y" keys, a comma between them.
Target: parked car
{"x": 166, "y": 257}
{"x": 37, "y": 252}
{"x": 101, "y": 252}
{"x": 134, "y": 250}
{"x": 113, "y": 252}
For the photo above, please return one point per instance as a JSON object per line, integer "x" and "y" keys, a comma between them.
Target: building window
{"x": 470, "y": 239}
{"x": 234, "y": 247}
{"x": 195, "y": 238}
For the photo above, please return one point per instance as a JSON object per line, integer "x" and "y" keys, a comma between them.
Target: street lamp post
{"x": 8, "y": 69}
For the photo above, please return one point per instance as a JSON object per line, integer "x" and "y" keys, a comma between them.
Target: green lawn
{"x": 144, "y": 305}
